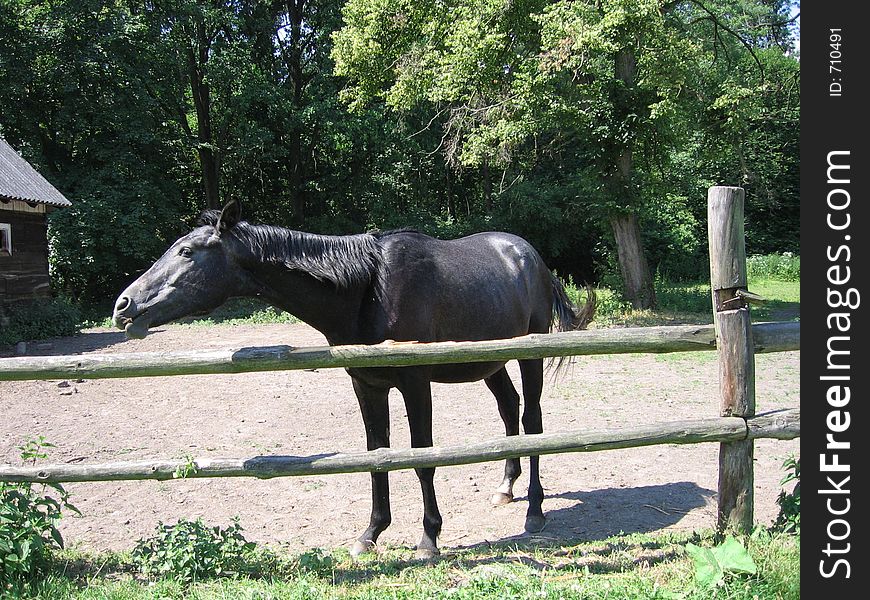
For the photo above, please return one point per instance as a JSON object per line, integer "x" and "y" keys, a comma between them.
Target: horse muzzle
{"x": 128, "y": 317}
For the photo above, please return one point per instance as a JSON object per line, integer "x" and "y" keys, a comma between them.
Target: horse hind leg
{"x": 533, "y": 384}
{"x": 502, "y": 388}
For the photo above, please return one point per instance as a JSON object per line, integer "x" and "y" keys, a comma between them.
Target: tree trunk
{"x": 197, "y": 59}
{"x": 633, "y": 265}
{"x": 294, "y": 62}
{"x": 487, "y": 188}
{"x": 632, "y": 262}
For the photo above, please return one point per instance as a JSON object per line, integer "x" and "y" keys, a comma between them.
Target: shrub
{"x": 191, "y": 550}
{"x": 38, "y": 319}
{"x": 28, "y": 532}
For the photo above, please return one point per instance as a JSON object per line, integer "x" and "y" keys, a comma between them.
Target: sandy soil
{"x": 589, "y": 496}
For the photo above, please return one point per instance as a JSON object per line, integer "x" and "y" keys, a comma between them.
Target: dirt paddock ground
{"x": 589, "y": 495}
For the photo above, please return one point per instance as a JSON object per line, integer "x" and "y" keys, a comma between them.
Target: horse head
{"x": 195, "y": 275}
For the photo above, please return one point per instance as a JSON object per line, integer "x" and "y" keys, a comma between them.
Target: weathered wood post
{"x": 736, "y": 352}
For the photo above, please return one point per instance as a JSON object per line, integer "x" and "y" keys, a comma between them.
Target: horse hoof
{"x": 500, "y": 498}
{"x": 535, "y": 523}
{"x": 361, "y": 547}
{"x": 427, "y": 554}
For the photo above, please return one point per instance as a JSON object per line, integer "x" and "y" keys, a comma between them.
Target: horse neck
{"x": 304, "y": 285}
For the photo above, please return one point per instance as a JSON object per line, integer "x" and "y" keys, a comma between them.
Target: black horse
{"x": 368, "y": 288}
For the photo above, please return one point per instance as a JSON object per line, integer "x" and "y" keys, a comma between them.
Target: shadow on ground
{"x": 80, "y": 343}
{"x": 599, "y": 514}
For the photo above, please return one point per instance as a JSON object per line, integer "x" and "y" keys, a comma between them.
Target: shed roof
{"x": 20, "y": 181}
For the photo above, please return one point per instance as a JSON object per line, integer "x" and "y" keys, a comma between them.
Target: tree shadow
{"x": 80, "y": 343}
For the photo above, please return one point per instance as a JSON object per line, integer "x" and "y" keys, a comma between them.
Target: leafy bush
{"x": 191, "y": 550}
{"x": 28, "y": 531}
{"x": 38, "y": 319}
{"x": 782, "y": 267}
{"x": 789, "y": 518}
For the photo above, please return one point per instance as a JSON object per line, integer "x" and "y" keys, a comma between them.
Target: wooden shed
{"x": 26, "y": 198}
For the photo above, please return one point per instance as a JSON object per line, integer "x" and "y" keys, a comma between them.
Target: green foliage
{"x": 714, "y": 565}
{"x": 316, "y": 562}
{"x": 555, "y": 94}
{"x": 186, "y": 469}
{"x": 789, "y": 518}
{"x": 28, "y": 525}
{"x": 191, "y": 551}
{"x": 782, "y": 267}
{"x": 38, "y": 319}
{"x": 249, "y": 311}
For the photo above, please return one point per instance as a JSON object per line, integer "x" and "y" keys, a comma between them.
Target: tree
{"x": 617, "y": 81}
{"x": 69, "y": 106}
{"x": 184, "y": 37}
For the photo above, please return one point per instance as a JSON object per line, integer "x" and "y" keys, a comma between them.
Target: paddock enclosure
{"x": 662, "y": 402}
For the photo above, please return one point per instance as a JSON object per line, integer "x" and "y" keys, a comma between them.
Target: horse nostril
{"x": 122, "y": 304}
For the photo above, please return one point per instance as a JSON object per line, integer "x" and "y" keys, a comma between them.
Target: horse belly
{"x": 464, "y": 372}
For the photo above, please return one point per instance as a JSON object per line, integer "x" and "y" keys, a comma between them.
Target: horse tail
{"x": 567, "y": 316}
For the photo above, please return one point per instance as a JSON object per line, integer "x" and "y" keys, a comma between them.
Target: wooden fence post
{"x": 736, "y": 353}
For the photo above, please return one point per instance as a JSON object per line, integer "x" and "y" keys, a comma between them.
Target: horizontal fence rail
{"x": 767, "y": 337}
{"x": 784, "y": 424}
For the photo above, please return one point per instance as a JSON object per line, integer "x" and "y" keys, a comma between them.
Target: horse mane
{"x": 346, "y": 261}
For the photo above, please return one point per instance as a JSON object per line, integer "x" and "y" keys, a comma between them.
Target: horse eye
{"x": 185, "y": 251}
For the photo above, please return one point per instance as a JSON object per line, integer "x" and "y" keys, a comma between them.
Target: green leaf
{"x": 733, "y": 557}
{"x": 23, "y": 548}
{"x": 708, "y": 572}
{"x": 713, "y": 564}
{"x": 55, "y": 535}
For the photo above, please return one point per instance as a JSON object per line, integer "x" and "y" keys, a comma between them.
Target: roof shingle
{"x": 20, "y": 181}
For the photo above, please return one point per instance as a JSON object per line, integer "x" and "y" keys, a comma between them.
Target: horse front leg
{"x": 502, "y": 388}
{"x": 417, "y": 392}
{"x": 375, "y": 408}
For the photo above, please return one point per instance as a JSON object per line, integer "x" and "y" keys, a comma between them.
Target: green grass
{"x": 638, "y": 566}
{"x": 782, "y": 299}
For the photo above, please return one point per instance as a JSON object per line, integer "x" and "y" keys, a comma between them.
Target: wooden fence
{"x": 732, "y": 334}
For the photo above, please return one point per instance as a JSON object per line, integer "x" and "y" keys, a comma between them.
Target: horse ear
{"x": 230, "y": 215}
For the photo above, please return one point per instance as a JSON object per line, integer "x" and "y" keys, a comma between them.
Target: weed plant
{"x": 190, "y": 551}
{"x": 29, "y": 514}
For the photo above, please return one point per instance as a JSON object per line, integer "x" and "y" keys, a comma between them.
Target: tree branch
{"x": 719, "y": 23}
